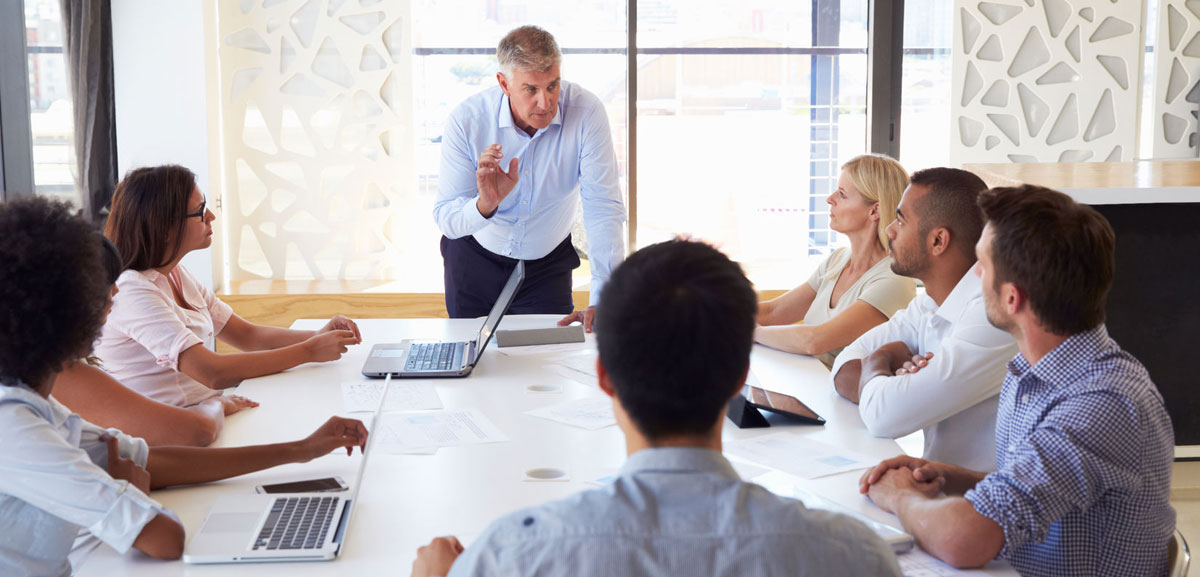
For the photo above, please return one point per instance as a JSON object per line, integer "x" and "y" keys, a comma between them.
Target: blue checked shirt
{"x": 571, "y": 160}
{"x": 676, "y": 511}
{"x": 1084, "y": 450}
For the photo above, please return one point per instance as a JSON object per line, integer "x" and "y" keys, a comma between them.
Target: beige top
{"x": 879, "y": 287}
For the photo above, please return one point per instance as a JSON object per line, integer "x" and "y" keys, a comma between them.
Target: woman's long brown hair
{"x": 148, "y": 209}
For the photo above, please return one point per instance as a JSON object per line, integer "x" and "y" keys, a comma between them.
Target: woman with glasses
{"x": 162, "y": 317}
{"x": 89, "y": 391}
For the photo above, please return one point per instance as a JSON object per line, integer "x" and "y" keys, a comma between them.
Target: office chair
{"x": 1178, "y": 556}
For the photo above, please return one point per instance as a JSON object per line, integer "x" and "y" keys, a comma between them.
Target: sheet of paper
{"x": 591, "y": 413}
{"x": 748, "y": 471}
{"x": 572, "y": 374}
{"x": 917, "y": 563}
{"x": 424, "y": 433}
{"x": 543, "y": 349}
{"x": 579, "y": 367}
{"x": 799, "y": 455}
{"x": 363, "y": 396}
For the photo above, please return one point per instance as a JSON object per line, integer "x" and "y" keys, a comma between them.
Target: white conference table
{"x": 406, "y": 500}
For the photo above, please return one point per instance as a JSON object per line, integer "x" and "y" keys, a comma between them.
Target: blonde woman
{"x": 854, "y": 289}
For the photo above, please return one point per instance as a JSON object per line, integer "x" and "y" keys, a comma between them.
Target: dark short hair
{"x": 148, "y": 206}
{"x": 1057, "y": 251}
{"x": 674, "y": 334}
{"x": 111, "y": 259}
{"x": 950, "y": 204}
{"x": 53, "y": 289}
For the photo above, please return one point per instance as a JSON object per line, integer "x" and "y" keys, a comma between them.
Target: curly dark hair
{"x": 53, "y": 289}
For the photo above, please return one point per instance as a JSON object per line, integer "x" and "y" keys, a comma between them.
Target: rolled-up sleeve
{"x": 603, "y": 205}
{"x": 143, "y": 314}
{"x": 1083, "y": 449}
{"x": 43, "y": 470}
{"x": 967, "y": 369}
{"x": 455, "y": 210}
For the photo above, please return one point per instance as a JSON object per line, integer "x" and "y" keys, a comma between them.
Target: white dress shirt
{"x": 147, "y": 331}
{"x": 570, "y": 160}
{"x": 53, "y": 482}
{"x": 954, "y": 399}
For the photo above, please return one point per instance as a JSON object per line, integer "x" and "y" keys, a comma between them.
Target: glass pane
{"x": 50, "y": 117}
{"x": 742, "y": 126}
{"x": 454, "y": 58}
{"x": 926, "y": 90}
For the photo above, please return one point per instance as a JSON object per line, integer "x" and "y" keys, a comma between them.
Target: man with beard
{"x": 938, "y": 365}
{"x": 1083, "y": 480}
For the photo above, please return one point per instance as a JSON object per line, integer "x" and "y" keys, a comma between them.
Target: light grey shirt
{"x": 53, "y": 483}
{"x": 676, "y": 511}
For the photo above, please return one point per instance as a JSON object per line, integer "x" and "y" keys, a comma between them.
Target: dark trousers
{"x": 475, "y": 276}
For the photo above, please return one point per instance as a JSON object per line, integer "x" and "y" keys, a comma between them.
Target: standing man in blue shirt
{"x": 678, "y": 326}
{"x": 1084, "y": 446}
{"x": 517, "y": 159}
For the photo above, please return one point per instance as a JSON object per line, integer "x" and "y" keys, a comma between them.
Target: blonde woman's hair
{"x": 880, "y": 179}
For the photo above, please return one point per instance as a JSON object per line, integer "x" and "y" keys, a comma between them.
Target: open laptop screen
{"x": 501, "y": 306}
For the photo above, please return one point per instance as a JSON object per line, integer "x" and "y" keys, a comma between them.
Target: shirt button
{"x": 1024, "y": 398}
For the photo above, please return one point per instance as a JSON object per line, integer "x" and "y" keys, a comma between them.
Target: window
{"x": 927, "y": 84}
{"x": 51, "y": 119}
{"x": 746, "y": 111}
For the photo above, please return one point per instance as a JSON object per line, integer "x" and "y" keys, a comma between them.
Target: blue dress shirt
{"x": 676, "y": 511}
{"x": 570, "y": 160}
{"x": 1084, "y": 450}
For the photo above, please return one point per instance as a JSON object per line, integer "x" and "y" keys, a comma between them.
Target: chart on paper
{"x": 591, "y": 413}
{"x": 426, "y": 432}
{"x": 363, "y": 396}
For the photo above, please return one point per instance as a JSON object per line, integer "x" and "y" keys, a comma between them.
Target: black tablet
{"x": 760, "y": 398}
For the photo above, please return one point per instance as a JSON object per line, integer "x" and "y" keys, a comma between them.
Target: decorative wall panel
{"x": 316, "y": 116}
{"x": 1046, "y": 80}
{"x": 1177, "y": 79}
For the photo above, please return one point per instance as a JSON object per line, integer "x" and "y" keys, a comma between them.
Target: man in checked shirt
{"x": 1083, "y": 443}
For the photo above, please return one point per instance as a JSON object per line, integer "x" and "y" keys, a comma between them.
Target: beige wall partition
{"x": 315, "y": 138}
{"x": 1046, "y": 80}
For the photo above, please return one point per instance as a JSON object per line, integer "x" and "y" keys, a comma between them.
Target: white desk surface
{"x": 406, "y": 500}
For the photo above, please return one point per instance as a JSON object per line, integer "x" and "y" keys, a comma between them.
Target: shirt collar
{"x": 967, "y": 289}
{"x": 1072, "y": 356}
{"x": 504, "y": 117}
{"x": 681, "y": 459}
{"x": 55, "y": 413}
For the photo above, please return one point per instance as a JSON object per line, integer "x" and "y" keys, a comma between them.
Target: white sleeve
{"x": 968, "y": 368}
{"x": 40, "y": 468}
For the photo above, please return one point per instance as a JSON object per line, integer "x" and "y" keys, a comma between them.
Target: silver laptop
{"x": 424, "y": 358}
{"x": 280, "y": 527}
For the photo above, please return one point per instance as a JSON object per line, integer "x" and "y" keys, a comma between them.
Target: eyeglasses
{"x": 199, "y": 213}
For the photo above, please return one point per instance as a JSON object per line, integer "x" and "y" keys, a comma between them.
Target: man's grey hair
{"x": 527, "y": 48}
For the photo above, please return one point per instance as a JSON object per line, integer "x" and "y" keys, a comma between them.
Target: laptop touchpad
{"x": 230, "y": 523}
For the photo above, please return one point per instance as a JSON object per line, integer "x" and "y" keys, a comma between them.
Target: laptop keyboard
{"x": 297, "y": 523}
{"x": 434, "y": 356}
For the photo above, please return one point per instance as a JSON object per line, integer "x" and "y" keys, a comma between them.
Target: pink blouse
{"x": 147, "y": 330}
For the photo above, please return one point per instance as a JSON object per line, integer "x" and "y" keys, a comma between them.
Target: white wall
{"x": 159, "y": 76}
